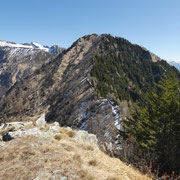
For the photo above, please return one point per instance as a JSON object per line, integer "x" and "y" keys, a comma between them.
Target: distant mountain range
{"x": 175, "y": 64}
{"x": 33, "y": 46}
{"x": 18, "y": 61}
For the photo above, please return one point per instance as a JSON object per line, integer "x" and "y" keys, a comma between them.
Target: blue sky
{"x": 154, "y": 24}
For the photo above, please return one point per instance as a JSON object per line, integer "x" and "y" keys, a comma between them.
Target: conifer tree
{"x": 155, "y": 129}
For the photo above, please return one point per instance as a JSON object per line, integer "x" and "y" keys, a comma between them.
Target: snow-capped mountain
{"x": 55, "y": 49}
{"x": 33, "y": 45}
{"x": 18, "y": 61}
{"x": 175, "y": 64}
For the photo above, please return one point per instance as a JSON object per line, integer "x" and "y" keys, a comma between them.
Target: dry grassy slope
{"x": 64, "y": 156}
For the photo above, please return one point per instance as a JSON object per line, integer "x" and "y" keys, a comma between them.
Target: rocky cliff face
{"x": 65, "y": 90}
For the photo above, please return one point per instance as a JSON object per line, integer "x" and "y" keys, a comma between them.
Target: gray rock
{"x": 20, "y": 132}
{"x": 41, "y": 122}
{"x": 43, "y": 176}
{"x": 22, "y": 129}
{"x": 83, "y": 136}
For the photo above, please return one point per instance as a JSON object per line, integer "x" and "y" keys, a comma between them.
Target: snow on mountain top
{"x": 173, "y": 62}
{"x": 176, "y": 64}
{"x": 38, "y": 46}
{"x": 33, "y": 45}
{"x": 9, "y": 44}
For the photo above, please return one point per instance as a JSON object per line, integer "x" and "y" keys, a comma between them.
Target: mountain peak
{"x": 39, "y": 46}
{"x": 175, "y": 64}
{"x": 32, "y": 45}
{"x": 13, "y": 44}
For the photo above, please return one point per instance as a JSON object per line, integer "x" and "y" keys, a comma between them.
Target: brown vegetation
{"x": 25, "y": 158}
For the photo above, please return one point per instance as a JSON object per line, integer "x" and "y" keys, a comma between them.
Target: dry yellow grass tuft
{"x": 92, "y": 162}
{"x": 46, "y": 149}
{"x": 71, "y": 133}
{"x": 29, "y": 127}
{"x": 112, "y": 178}
{"x": 64, "y": 133}
{"x": 63, "y": 130}
{"x": 77, "y": 157}
{"x": 7, "y": 130}
{"x": 58, "y": 137}
{"x": 83, "y": 174}
{"x": 87, "y": 147}
{"x": 42, "y": 128}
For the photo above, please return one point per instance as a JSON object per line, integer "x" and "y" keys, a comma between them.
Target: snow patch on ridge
{"x": 38, "y": 46}
{"x": 115, "y": 112}
{"x": 31, "y": 46}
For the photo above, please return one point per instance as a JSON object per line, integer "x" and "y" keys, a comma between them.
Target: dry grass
{"x": 112, "y": 178}
{"x": 77, "y": 157}
{"x": 92, "y": 162}
{"x": 71, "y": 133}
{"x": 29, "y": 127}
{"x": 66, "y": 131}
{"x": 67, "y": 147}
{"x": 46, "y": 149}
{"x": 42, "y": 128}
{"x": 58, "y": 137}
{"x": 4, "y": 131}
{"x": 64, "y": 134}
{"x": 87, "y": 147}
{"x": 25, "y": 158}
{"x": 83, "y": 174}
